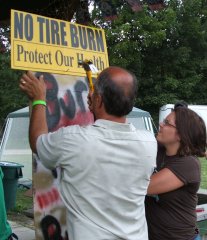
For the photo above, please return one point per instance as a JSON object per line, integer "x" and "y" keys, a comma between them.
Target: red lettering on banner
{"x": 48, "y": 198}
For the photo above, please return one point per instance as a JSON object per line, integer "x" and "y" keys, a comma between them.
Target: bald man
{"x": 106, "y": 167}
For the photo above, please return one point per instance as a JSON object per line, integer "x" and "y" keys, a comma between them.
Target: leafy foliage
{"x": 167, "y": 50}
{"x": 11, "y": 98}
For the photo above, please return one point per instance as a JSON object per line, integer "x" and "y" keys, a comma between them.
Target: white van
{"x": 201, "y": 110}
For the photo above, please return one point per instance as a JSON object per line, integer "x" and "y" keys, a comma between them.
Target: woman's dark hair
{"x": 192, "y": 131}
{"x": 117, "y": 101}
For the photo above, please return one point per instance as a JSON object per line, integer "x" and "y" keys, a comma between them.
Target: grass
{"x": 23, "y": 202}
{"x": 17, "y": 214}
{"x": 203, "y": 173}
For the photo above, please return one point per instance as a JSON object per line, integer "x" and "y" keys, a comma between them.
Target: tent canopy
{"x": 24, "y": 112}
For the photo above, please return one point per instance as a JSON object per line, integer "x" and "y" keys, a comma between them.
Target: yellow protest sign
{"x": 49, "y": 45}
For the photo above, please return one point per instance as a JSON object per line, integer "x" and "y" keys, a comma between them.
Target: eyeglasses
{"x": 167, "y": 123}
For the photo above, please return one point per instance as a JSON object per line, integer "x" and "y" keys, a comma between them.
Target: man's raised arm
{"x": 35, "y": 89}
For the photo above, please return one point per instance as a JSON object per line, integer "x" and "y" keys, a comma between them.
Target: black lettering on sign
{"x": 55, "y": 32}
{"x": 47, "y": 31}
{"x": 18, "y": 25}
{"x": 68, "y": 104}
{"x": 80, "y": 58}
{"x": 53, "y": 108}
{"x": 41, "y": 20}
{"x": 74, "y": 37}
{"x": 63, "y": 60}
{"x": 86, "y": 38}
{"x": 28, "y": 27}
{"x": 99, "y": 40}
{"x": 20, "y": 50}
{"x": 59, "y": 58}
{"x": 80, "y": 87}
{"x": 91, "y": 40}
{"x": 51, "y": 228}
{"x": 98, "y": 63}
{"x": 63, "y": 34}
{"x": 83, "y": 39}
{"x": 23, "y": 27}
{"x": 43, "y": 28}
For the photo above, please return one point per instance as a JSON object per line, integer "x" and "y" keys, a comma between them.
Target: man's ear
{"x": 99, "y": 101}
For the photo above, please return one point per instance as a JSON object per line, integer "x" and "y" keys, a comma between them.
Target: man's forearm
{"x": 38, "y": 125}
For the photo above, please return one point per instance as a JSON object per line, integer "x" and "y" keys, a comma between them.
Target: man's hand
{"x": 34, "y": 88}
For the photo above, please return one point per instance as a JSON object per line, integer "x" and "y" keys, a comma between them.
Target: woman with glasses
{"x": 172, "y": 193}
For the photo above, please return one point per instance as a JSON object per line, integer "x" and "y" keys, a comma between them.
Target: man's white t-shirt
{"x": 105, "y": 172}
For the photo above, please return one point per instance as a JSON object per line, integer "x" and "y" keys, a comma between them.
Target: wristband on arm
{"x": 39, "y": 102}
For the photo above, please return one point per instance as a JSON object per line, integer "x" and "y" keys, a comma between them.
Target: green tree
{"x": 11, "y": 98}
{"x": 167, "y": 50}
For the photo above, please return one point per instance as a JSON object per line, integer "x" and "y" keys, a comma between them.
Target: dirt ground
{"x": 21, "y": 219}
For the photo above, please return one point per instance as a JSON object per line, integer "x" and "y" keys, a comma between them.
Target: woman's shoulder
{"x": 191, "y": 159}
{"x": 187, "y": 168}
{"x": 185, "y": 162}
{"x": 192, "y": 162}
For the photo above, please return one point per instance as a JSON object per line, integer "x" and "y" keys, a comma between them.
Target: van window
{"x": 139, "y": 123}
